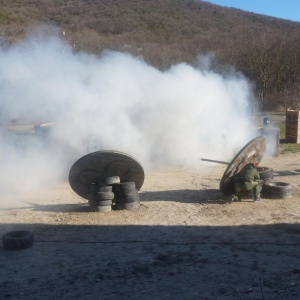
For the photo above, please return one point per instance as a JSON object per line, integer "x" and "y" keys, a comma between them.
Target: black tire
{"x": 276, "y": 190}
{"x": 18, "y": 240}
{"x": 128, "y": 199}
{"x": 127, "y": 206}
{"x": 127, "y": 193}
{"x": 265, "y": 173}
{"x": 101, "y": 208}
{"x": 105, "y": 196}
{"x": 276, "y": 195}
{"x": 102, "y": 196}
{"x": 125, "y": 187}
{"x": 109, "y": 181}
{"x": 95, "y": 188}
{"x": 106, "y": 188}
{"x": 122, "y": 193}
{"x": 103, "y": 190}
{"x": 127, "y": 184}
{"x": 100, "y": 202}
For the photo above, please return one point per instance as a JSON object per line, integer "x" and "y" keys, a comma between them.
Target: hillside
{"x": 165, "y": 32}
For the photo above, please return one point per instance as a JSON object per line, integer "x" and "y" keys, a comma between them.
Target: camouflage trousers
{"x": 241, "y": 188}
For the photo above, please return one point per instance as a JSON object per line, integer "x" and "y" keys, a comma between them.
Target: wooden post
{"x": 292, "y": 134}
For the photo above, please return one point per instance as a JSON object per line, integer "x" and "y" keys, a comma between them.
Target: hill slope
{"x": 165, "y": 32}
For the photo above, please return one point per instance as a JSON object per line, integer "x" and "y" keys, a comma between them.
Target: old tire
{"x": 124, "y": 187}
{"x": 276, "y": 190}
{"x": 100, "y": 202}
{"x": 102, "y": 196}
{"x": 265, "y": 173}
{"x": 129, "y": 198}
{"x": 107, "y": 188}
{"x": 105, "y": 195}
{"x": 18, "y": 240}
{"x": 102, "y": 189}
{"x": 101, "y": 208}
{"x": 128, "y": 194}
{"x": 127, "y": 206}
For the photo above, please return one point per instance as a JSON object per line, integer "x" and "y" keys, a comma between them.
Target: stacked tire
{"x": 101, "y": 194}
{"x": 126, "y": 196}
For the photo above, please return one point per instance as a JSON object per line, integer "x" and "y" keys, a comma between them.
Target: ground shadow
{"x": 153, "y": 262}
{"x": 209, "y": 196}
{"x": 286, "y": 173}
{"x": 64, "y": 208}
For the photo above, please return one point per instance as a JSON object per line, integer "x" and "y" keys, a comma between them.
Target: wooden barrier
{"x": 292, "y": 134}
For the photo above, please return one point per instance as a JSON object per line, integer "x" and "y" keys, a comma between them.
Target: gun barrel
{"x": 215, "y": 161}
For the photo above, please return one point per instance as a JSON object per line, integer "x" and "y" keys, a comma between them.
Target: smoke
{"x": 112, "y": 101}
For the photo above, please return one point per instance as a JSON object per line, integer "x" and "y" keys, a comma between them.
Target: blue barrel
{"x": 266, "y": 121}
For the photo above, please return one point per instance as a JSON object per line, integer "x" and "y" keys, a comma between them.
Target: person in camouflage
{"x": 246, "y": 180}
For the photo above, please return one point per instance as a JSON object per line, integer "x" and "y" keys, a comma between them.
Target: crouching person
{"x": 246, "y": 180}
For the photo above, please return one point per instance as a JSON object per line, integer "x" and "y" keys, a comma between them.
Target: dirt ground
{"x": 185, "y": 241}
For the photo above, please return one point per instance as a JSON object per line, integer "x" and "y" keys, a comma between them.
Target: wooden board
{"x": 101, "y": 164}
{"x": 292, "y": 132}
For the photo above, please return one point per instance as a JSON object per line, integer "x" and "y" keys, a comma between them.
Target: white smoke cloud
{"x": 113, "y": 101}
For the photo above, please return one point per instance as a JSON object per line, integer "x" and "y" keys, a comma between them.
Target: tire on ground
{"x": 130, "y": 198}
{"x": 100, "y": 196}
{"x": 18, "y": 240}
{"x": 100, "y": 202}
{"x": 265, "y": 173}
{"x": 127, "y": 206}
{"x": 101, "y": 208}
{"x": 95, "y": 188}
{"x": 276, "y": 190}
{"x": 125, "y": 187}
{"x": 106, "y": 188}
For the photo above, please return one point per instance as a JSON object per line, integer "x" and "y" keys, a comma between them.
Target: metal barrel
{"x": 216, "y": 161}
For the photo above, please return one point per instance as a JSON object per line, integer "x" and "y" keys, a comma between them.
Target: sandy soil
{"x": 185, "y": 241}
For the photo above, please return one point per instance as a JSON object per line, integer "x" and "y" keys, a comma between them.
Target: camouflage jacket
{"x": 249, "y": 173}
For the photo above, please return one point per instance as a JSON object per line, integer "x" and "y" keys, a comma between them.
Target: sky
{"x": 283, "y": 9}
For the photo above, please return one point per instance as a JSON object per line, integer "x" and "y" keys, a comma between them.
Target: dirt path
{"x": 185, "y": 241}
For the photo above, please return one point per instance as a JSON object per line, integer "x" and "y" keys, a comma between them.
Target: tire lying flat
{"x": 276, "y": 190}
{"x": 127, "y": 198}
{"x": 124, "y": 187}
{"x": 101, "y": 208}
{"x": 265, "y": 173}
{"x": 101, "y": 196}
{"x": 95, "y": 188}
{"x": 127, "y": 206}
{"x": 100, "y": 202}
{"x": 126, "y": 195}
{"x": 18, "y": 240}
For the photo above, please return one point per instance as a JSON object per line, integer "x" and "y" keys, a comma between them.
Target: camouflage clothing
{"x": 245, "y": 181}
